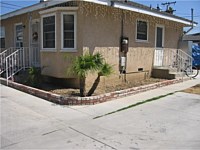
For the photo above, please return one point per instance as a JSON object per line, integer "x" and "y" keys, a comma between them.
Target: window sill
{"x": 69, "y": 50}
{"x": 142, "y": 41}
{"x": 48, "y": 50}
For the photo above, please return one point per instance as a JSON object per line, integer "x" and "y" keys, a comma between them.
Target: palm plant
{"x": 105, "y": 70}
{"x": 85, "y": 64}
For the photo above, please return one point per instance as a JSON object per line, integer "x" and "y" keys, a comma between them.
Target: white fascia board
{"x": 44, "y": 5}
{"x": 31, "y": 8}
{"x": 132, "y": 8}
{"x": 101, "y": 2}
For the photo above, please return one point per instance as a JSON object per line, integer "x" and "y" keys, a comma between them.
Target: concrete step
{"x": 166, "y": 73}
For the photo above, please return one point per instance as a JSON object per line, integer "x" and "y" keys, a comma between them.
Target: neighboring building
{"x": 191, "y": 44}
{"x": 55, "y": 32}
{"x": 195, "y": 38}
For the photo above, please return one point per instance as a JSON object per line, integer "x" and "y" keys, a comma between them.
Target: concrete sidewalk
{"x": 173, "y": 122}
{"x": 103, "y": 108}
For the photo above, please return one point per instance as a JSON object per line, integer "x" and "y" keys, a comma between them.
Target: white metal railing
{"x": 13, "y": 59}
{"x": 15, "y": 62}
{"x": 176, "y": 60}
{"x": 3, "y": 56}
{"x": 183, "y": 60}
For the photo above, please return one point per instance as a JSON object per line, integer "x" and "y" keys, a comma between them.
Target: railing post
{"x": 7, "y": 71}
{"x": 23, "y": 57}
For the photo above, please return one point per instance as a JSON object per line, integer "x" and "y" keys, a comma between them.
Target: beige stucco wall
{"x": 9, "y": 25}
{"x": 102, "y": 34}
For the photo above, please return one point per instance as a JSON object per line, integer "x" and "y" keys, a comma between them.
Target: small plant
{"x": 34, "y": 77}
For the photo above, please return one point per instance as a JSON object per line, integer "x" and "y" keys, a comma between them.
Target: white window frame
{"x": 140, "y": 40}
{"x": 75, "y": 32}
{"x": 163, "y": 35}
{"x": 48, "y": 49}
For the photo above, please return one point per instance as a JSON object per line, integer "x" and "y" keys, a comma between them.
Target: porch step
{"x": 166, "y": 73}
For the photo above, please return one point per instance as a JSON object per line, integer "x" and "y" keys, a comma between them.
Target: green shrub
{"x": 34, "y": 77}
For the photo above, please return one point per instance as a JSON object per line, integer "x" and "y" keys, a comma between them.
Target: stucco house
{"x": 134, "y": 38}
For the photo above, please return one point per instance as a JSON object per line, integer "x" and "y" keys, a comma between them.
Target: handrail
{"x": 3, "y": 56}
{"x": 14, "y": 59}
{"x": 17, "y": 61}
{"x": 174, "y": 59}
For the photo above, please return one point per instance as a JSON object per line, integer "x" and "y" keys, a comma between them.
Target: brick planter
{"x": 58, "y": 99}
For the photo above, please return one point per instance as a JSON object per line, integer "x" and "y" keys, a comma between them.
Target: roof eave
{"x": 31, "y": 8}
{"x": 151, "y": 13}
{"x": 101, "y": 2}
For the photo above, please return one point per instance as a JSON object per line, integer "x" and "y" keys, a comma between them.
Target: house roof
{"x": 129, "y": 5}
{"x": 192, "y": 37}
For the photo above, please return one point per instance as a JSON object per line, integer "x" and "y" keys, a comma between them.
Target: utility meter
{"x": 124, "y": 44}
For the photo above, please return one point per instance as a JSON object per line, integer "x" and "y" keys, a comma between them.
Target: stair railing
{"x": 3, "y": 56}
{"x": 17, "y": 61}
{"x": 176, "y": 60}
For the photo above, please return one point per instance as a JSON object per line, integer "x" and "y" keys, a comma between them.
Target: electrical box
{"x": 123, "y": 61}
{"x": 124, "y": 44}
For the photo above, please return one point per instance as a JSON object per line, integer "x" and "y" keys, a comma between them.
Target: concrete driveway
{"x": 171, "y": 122}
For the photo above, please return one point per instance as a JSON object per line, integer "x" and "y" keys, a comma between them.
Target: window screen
{"x": 49, "y": 32}
{"x": 141, "y": 30}
{"x": 68, "y": 31}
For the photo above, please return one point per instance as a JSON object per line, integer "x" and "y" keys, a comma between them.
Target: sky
{"x": 182, "y": 7}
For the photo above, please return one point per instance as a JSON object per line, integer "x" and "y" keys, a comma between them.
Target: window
{"x": 69, "y": 31}
{"x": 19, "y": 35}
{"x": 49, "y": 31}
{"x": 142, "y": 28}
{"x": 2, "y": 36}
{"x": 159, "y": 38}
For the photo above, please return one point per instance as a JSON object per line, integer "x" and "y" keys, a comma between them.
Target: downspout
{"x": 192, "y": 18}
{"x": 184, "y": 33}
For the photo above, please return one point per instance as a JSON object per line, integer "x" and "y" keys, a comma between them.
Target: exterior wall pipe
{"x": 192, "y": 18}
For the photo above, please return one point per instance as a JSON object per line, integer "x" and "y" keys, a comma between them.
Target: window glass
{"x": 159, "y": 39}
{"x": 49, "y": 32}
{"x": 2, "y": 36}
{"x": 68, "y": 31}
{"x": 141, "y": 30}
{"x": 19, "y": 35}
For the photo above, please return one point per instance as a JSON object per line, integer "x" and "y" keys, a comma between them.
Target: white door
{"x": 35, "y": 43}
{"x": 159, "y": 46}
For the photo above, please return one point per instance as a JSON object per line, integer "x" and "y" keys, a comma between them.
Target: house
{"x": 134, "y": 38}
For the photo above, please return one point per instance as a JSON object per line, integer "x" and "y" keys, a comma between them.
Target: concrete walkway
{"x": 173, "y": 122}
{"x": 103, "y": 108}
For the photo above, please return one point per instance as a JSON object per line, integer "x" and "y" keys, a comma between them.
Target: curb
{"x": 58, "y": 99}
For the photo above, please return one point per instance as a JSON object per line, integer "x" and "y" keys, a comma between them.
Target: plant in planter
{"x": 90, "y": 63}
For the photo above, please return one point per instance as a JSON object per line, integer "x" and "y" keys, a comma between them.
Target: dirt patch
{"x": 108, "y": 88}
{"x": 61, "y": 90}
{"x": 193, "y": 90}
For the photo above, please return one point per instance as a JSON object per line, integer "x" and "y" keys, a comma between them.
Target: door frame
{"x": 33, "y": 60}
{"x": 159, "y": 51}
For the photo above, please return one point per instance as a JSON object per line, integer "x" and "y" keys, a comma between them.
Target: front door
{"x": 35, "y": 43}
{"x": 159, "y": 46}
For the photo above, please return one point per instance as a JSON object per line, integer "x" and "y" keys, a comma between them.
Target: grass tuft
{"x": 134, "y": 105}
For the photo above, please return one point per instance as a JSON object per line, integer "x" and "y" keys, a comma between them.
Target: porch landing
{"x": 166, "y": 73}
